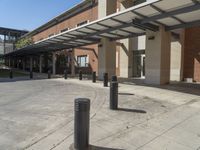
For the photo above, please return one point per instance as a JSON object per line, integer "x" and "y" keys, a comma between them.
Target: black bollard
{"x": 94, "y": 77}
{"x": 11, "y": 74}
{"x": 114, "y": 95}
{"x": 105, "y": 79}
{"x": 80, "y": 75}
{"x": 81, "y": 124}
{"x": 31, "y": 74}
{"x": 114, "y": 79}
{"x": 65, "y": 74}
{"x": 49, "y": 74}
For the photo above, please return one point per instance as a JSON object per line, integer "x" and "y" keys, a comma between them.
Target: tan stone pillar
{"x": 107, "y": 48}
{"x": 126, "y": 58}
{"x": 106, "y": 7}
{"x": 107, "y": 58}
{"x": 158, "y": 46}
{"x": 126, "y": 49}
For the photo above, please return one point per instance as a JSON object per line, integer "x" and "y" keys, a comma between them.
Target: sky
{"x": 30, "y": 14}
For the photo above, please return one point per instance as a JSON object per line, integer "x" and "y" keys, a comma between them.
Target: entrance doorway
{"x": 139, "y": 64}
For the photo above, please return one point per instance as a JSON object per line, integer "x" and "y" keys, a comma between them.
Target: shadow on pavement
{"x": 132, "y": 110}
{"x": 103, "y": 148}
{"x": 183, "y": 87}
{"x": 92, "y": 147}
{"x": 126, "y": 94}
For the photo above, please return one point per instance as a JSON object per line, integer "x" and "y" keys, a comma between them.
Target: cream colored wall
{"x": 141, "y": 42}
{"x": 175, "y": 62}
{"x": 177, "y": 57}
{"x": 106, "y": 7}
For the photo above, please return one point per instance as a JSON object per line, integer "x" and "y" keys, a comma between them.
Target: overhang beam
{"x": 172, "y": 13}
{"x": 187, "y": 25}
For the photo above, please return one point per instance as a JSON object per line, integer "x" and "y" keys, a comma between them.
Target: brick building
{"x": 159, "y": 56}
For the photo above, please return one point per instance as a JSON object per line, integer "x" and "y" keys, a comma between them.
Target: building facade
{"x": 159, "y": 56}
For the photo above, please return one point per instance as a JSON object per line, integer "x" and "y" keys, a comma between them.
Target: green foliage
{"x": 23, "y": 43}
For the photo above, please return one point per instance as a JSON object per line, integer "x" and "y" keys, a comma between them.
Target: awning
{"x": 131, "y": 22}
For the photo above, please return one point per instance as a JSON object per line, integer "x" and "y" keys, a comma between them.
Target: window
{"x": 66, "y": 29}
{"x": 82, "y": 61}
{"x": 82, "y": 23}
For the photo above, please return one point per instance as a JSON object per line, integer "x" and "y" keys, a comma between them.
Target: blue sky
{"x": 30, "y": 14}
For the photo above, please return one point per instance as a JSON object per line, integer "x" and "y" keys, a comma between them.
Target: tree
{"x": 23, "y": 42}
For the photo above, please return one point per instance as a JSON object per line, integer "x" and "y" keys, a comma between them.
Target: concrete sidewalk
{"x": 38, "y": 115}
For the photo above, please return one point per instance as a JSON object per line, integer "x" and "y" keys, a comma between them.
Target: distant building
{"x": 8, "y": 37}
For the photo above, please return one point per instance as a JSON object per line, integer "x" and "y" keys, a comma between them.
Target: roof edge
{"x": 67, "y": 14}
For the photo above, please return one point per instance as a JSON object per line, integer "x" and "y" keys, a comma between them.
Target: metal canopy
{"x": 131, "y": 22}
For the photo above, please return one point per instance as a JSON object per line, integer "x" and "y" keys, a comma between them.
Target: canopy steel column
{"x": 13, "y": 62}
{"x": 40, "y": 65}
{"x": 9, "y": 62}
{"x": 4, "y": 44}
{"x": 31, "y": 63}
{"x": 54, "y": 63}
{"x": 17, "y": 63}
{"x": 24, "y": 63}
{"x": 73, "y": 63}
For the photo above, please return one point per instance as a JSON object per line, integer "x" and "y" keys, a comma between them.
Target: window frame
{"x": 82, "y": 23}
{"x": 79, "y": 61}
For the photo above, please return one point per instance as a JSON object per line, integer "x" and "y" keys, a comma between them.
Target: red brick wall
{"x": 93, "y": 56}
{"x": 192, "y": 54}
{"x": 91, "y": 15}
